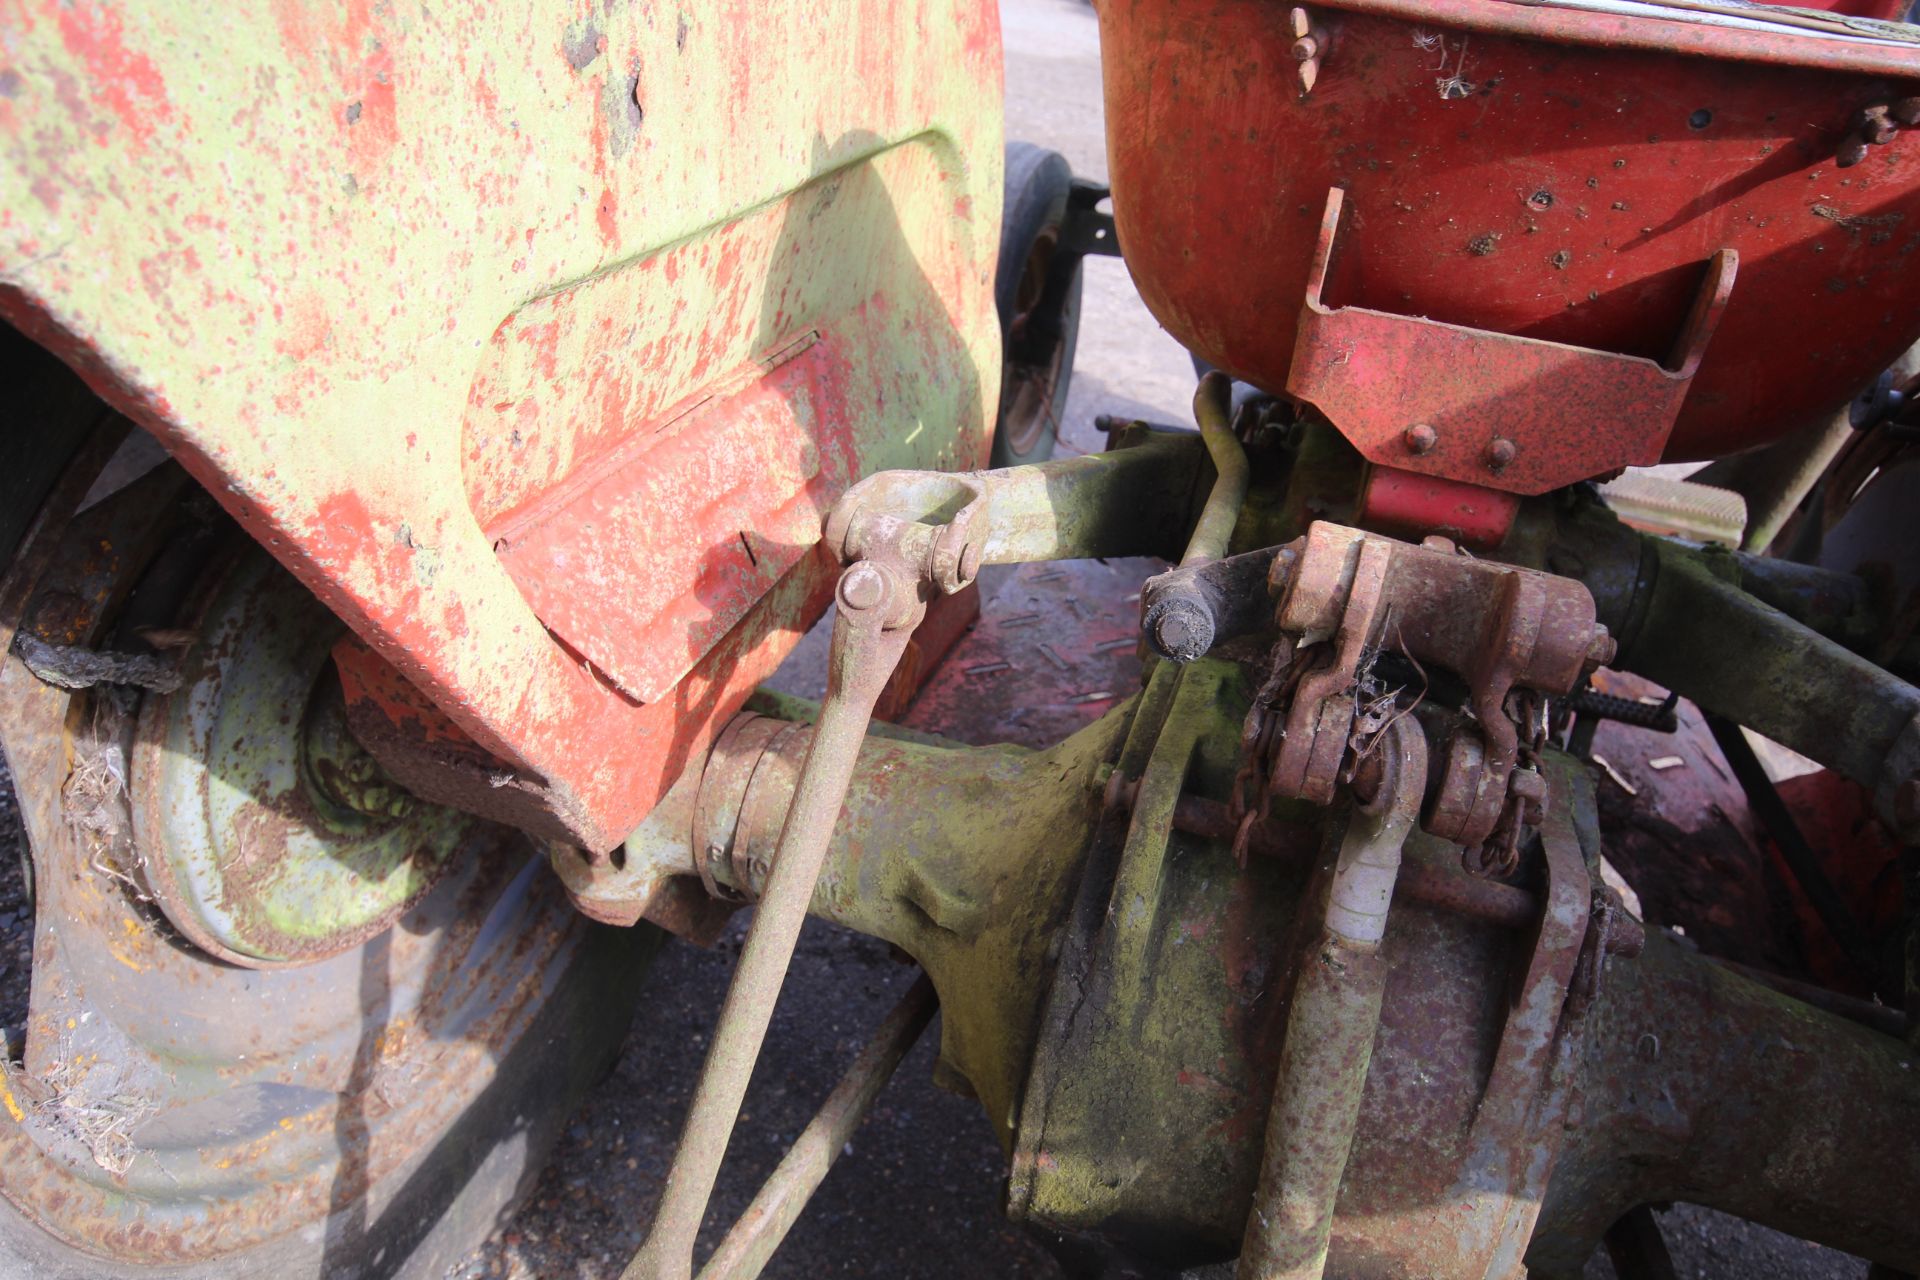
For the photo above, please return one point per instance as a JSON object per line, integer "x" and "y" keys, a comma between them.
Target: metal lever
{"x": 1331, "y": 1024}
{"x": 878, "y": 610}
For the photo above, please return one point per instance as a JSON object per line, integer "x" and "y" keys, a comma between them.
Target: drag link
{"x": 878, "y": 610}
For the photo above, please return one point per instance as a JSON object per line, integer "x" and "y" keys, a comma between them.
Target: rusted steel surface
{"x": 446, "y": 296}
{"x": 266, "y": 832}
{"x": 1703, "y": 1086}
{"x": 1190, "y": 609}
{"x": 1479, "y": 1108}
{"x": 959, "y": 856}
{"x": 1115, "y": 1058}
{"x": 1154, "y": 1054}
{"x": 948, "y": 619}
{"x": 1510, "y": 1143}
{"x": 1006, "y": 681}
{"x": 1878, "y": 1017}
{"x": 1520, "y": 415}
{"x": 1498, "y": 627}
{"x": 1439, "y": 883}
{"x": 655, "y": 875}
{"x": 1132, "y": 500}
{"x": 1683, "y": 611}
{"x": 751, "y": 1241}
{"x": 1649, "y": 143}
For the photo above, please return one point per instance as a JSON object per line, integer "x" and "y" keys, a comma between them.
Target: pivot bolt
{"x": 1180, "y": 629}
{"x": 863, "y": 587}
{"x": 1500, "y": 454}
{"x": 1421, "y": 439}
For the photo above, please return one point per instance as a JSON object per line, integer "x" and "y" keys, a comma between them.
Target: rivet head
{"x": 1421, "y": 438}
{"x": 862, "y": 587}
{"x": 1500, "y": 454}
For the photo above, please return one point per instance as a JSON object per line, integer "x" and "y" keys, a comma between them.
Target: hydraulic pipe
{"x": 1212, "y": 403}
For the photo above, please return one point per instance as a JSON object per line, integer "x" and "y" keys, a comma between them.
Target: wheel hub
{"x": 268, "y": 836}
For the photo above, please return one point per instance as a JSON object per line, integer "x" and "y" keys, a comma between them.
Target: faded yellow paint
{"x": 293, "y": 270}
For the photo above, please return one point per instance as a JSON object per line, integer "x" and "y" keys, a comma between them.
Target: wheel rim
{"x": 1027, "y": 402}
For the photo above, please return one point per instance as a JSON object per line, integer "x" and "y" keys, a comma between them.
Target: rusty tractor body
{"x": 433, "y": 424}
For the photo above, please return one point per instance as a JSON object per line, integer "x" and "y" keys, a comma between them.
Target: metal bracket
{"x": 1515, "y": 414}
{"x": 1087, "y": 231}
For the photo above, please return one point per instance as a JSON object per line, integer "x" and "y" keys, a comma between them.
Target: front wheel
{"x": 1039, "y": 315}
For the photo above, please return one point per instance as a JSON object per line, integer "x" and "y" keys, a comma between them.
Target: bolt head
{"x": 1306, "y": 49}
{"x": 1180, "y": 629}
{"x": 863, "y": 587}
{"x": 1500, "y": 454}
{"x": 1421, "y": 439}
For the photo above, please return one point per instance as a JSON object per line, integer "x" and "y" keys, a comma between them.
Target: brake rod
{"x": 878, "y": 610}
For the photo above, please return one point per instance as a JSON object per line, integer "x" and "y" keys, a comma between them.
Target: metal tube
{"x": 1796, "y": 687}
{"x": 865, "y": 651}
{"x": 1331, "y": 1024}
{"x": 1211, "y": 404}
{"x": 1879, "y": 1017}
{"x": 778, "y": 1205}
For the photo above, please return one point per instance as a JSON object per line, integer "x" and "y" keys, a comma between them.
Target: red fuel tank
{"x": 1580, "y": 176}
